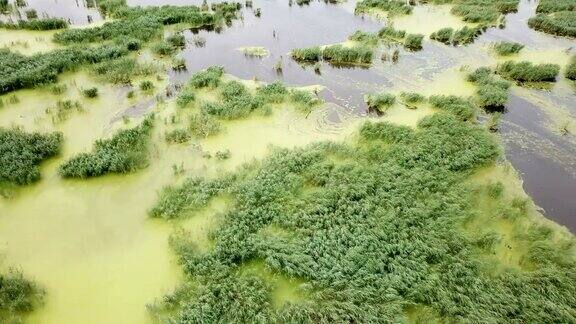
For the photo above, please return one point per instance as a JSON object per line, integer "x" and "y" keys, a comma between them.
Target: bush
{"x": 380, "y": 102}
{"x": 385, "y": 131}
{"x": 274, "y": 92}
{"x": 163, "y": 48}
{"x": 90, "y": 92}
{"x": 17, "y": 296}
{"x": 203, "y": 125}
{"x": 21, "y": 153}
{"x": 125, "y": 152}
{"x": 393, "y": 7}
{"x": 368, "y": 39}
{"x": 413, "y": 42}
{"x": 207, "y": 78}
{"x": 311, "y": 54}
{"x": 484, "y": 11}
{"x": 507, "y": 48}
{"x": 561, "y": 23}
{"x": 528, "y": 72}
{"x": 571, "y": 69}
{"x": 177, "y": 40}
{"x": 146, "y": 85}
{"x": 31, "y": 14}
{"x": 443, "y": 35}
{"x": 185, "y": 98}
{"x": 177, "y": 136}
{"x": 466, "y": 35}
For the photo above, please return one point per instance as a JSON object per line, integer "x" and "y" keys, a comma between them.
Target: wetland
{"x": 183, "y": 161}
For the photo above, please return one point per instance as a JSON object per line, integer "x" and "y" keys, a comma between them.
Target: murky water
{"x": 91, "y": 244}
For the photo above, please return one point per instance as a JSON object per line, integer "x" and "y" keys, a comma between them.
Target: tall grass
{"x": 492, "y": 93}
{"x": 571, "y": 69}
{"x": 393, "y": 7}
{"x": 561, "y": 23}
{"x": 37, "y": 24}
{"x": 380, "y": 101}
{"x": 21, "y": 154}
{"x": 126, "y": 151}
{"x": 123, "y": 70}
{"x": 463, "y": 36}
{"x": 335, "y": 54}
{"x": 413, "y": 42}
{"x": 528, "y": 72}
{"x": 507, "y": 48}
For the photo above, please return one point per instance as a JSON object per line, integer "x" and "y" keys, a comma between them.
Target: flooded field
{"x": 100, "y": 257}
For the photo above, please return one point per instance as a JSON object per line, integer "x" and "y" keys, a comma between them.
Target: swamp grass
{"x": 561, "y": 23}
{"x": 374, "y": 229}
{"x": 492, "y": 92}
{"x": 570, "y": 72}
{"x": 463, "y": 36}
{"x": 126, "y": 151}
{"x": 380, "y": 101}
{"x": 528, "y": 72}
{"x": 18, "y": 296}
{"x": 37, "y": 24}
{"x": 21, "y": 154}
{"x": 507, "y": 48}
{"x": 123, "y": 70}
{"x": 392, "y": 7}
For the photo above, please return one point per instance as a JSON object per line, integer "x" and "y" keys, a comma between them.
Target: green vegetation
{"x": 492, "y": 93}
{"x": 177, "y": 136}
{"x": 379, "y": 230}
{"x": 389, "y": 32}
{"x": 413, "y": 42}
{"x": 367, "y": 39}
{"x": 556, "y": 17}
{"x": 18, "y": 71}
{"x": 123, "y": 70}
{"x": 18, "y": 296}
{"x": 310, "y": 54}
{"x": 380, "y": 101}
{"x": 507, "y": 48}
{"x": 90, "y": 92}
{"x": 63, "y": 109}
{"x": 528, "y": 72}
{"x": 483, "y": 11}
{"x": 334, "y": 54}
{"x": 21, "y": 153}
{"x": 37, "y": 24}
{"x": 146, "y": 86}
{"x": 464, "y": 36}
{"x": 207, "y": 78}
{"x": 461, "y": 108}
{"x": 393, "y": 7}
{"x": 412, "y": 97}
{"x": 571, "y": 69}
{"x": 126, "y": 151}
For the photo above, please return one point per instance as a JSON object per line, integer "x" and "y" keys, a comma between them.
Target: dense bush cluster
{"x": 393, "y": 7}
{"x": 335, "y": 54}
{"x": 463, "y": 36}
{"x": 126, "y": 151}
{"x": 556, "y": 17}
{"x": 507, "y": 48}
{"x": 413, "y": 42}
{"x": 146, "y": 23}
{"x": 21, "y": 153}
{"x": 37, "y": 24}
{"x": 571, "y": 69}
{"x": 18, "y": 296}
{"x": 18, "y": 71}
{"x": 528, "y": 72}
{"x": 492, "y": 93}
{"x": 374, "y": 230}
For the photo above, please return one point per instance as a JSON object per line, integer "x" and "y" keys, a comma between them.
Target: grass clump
{"x": 550, "y": 6}
{"x": 367, "y": 39}
{"x": 126, "y": 151}
{"x": 146, "y": 86}
{"x": 571, "y": 69}
{"x": 507, "y": 48}
{"x": 18, "y": 296}
{"x": 462, "y": 108}
{"x": 483, "y": 11}
{"x": 207, "y": 78}
{"x": 123, "y": 70}
{"x": 389, "y": 32}
{"x": 380, "y": 101}
{"x": 177, "y": 136}
{"x": 463, "y": 36}
{"x": 393, "y": 7}
{"x": 559, "y": 23}
{"x": 492, "y": 93}
{"x": 311, "y": 54}
{"x": 90, "y": 92}
{"x": 443, "y": 35}
{"x": 63, "y": 109}
{"x": 413, "y": 42}
{"x": 37, "y": 24}
{"x": 412, "y": 98}
{"x": 204, "y": 125}
{"x": 21, "y": 153}
{"x": 528, "y": 72}
{"x": 338, "y": 54}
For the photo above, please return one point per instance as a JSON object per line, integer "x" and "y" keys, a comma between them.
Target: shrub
{"x": 163, "y": 48}
{"x": 31, "y": 14}
{"x": 385, "y": 131}
{"x": 125, "y": 152}
{"x": 207, "y": 78}
{"x": 274, "y": 92}
{"x": 413, "y": 42}
{"x": 571, "y": 69}
{"x": 507, "y": 48}
{"x": 338, "y": 54}
{"x": 177, "y": 136}
{"x": 21, "y": 153}
{"x": 185, "y": 98}
{"x": 380, "y": 102}
{"x": 559, "y": 23}
{"x": 90, "y": 92}
{"x": 528, "y": 72}
{"x": 393, "y": 7}
{"x": 177, "y": 40}
{"x": 146, "y": 85}
{"x": 443, "y": 35}
{"x": 311, "y": 54}
{"x": 17, "y": 296}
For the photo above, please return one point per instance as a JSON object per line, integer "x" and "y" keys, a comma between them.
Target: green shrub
{"x": 571, "y": 69}
{"x": 561, "y": 23}
{"x": 274, "y": 92}
{"x": 413, "y": 42}
{"x": 207, "y": 78}
{"x": 185, "y": 98}
{"x": 380, "y": 102}
{"x": 177, "y": 40}
{"x": 311, "y": 54}
{"x": 528, "y": 72}
{"x": 18, "y": 296}
{"x": 90, "y": 92}
{"x": 443, "y": 35}
{"x": 21, "y": 153}
{"x": 177, "y": 136}
{"x": 31, "y": 14}
{"x": 484, "y": 11}
{"x": 393, "y": 7}
{"x": 163, "y": 48}
{"x": 146, "y": 85}
{"x": 385, "y": 131}
{"x": 507, "y": 48}
{"x": 125, "y": 152}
